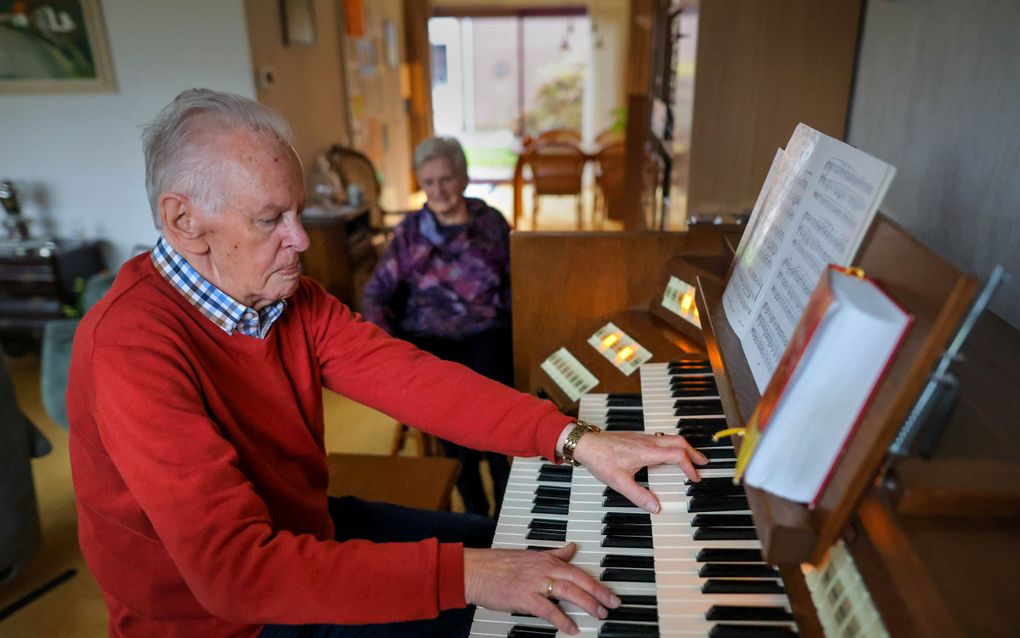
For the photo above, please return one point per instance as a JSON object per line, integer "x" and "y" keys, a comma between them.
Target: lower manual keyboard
{"x": 694, "y": 569}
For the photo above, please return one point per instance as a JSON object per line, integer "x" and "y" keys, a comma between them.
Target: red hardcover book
{"x": 837, "y": 357}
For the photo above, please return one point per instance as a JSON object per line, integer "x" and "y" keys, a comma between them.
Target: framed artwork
{"x": 50, "y": 46}
{"x": 298, "y": 18}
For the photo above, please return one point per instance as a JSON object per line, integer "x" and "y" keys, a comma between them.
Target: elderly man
{"x": 197, "y": 428}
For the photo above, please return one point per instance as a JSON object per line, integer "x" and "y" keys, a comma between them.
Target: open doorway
{"x": 507, "y": 74}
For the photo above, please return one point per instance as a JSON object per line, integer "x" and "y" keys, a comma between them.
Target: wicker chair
{"x": 354, "y": 167}
{"x": 556, "y": 169}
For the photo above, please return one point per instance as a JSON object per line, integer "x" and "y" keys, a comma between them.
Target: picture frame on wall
{"x": 298, "y": 19}
{"x": 53, "y": 47}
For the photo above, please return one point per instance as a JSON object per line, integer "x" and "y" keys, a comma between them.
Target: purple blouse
{"x": 427, "y": 284}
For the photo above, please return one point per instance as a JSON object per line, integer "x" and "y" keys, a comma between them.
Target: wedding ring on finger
{"x": 549, "y": 588}
{"x": 660, "y": 434}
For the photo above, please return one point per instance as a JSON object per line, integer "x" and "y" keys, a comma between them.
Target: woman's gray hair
{"x": 445, "y": 147}
{"x": 176, "y": 156}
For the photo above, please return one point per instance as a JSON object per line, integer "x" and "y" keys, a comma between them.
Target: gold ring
{"x": 660, "y": 434}
{"x": 549, "y": 588}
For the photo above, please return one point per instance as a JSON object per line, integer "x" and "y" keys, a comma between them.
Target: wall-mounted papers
{"x": 617, "y": 346}
{"x": 815, "y": 209}
{"x": 572, "y": 378}
{"x": 679, "y": 299}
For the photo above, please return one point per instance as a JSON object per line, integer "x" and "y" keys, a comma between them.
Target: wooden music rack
{"x": 929, "y": 288}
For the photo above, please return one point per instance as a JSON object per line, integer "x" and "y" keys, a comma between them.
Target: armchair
{"x": 58, "y": 337}
{"x": 19, "y": 514}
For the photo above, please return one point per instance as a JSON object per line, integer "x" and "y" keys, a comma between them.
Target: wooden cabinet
{"x": 341, "y": 254}
{"x": 38, "y": 279}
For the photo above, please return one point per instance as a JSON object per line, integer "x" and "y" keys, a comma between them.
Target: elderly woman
{"x": 444, "y": 284}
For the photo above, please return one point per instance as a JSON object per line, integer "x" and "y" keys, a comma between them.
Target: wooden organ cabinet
{"x": 935, "y": 541}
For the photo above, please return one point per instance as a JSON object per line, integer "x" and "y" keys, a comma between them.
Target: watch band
{"x": 580, "y": 429}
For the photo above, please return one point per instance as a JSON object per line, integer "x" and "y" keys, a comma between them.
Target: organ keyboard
{"x": 935, "y": 542}
{"x": 694, "y": 569}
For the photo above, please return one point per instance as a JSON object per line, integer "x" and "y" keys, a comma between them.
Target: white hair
{"x": 176, "y": 142}
{"x": 441, "y": 147}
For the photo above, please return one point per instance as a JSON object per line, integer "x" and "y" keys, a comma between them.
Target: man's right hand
{"x": 523, "y": 581}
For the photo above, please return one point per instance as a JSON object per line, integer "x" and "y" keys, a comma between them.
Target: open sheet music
{"x": 814, "y": 209}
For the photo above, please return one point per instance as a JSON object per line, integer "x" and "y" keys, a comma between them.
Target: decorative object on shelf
{"x": 53, "y": 49}
{"x": 298, "y": 21}
{"x": 17, "y": 227}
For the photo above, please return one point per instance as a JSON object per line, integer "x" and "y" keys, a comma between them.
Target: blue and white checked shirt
{"x": 212, "y": 302}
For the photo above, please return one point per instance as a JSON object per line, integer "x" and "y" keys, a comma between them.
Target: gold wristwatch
{"x": 580, "y": 429}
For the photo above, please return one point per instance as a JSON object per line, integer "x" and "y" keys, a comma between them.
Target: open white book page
{"x": 755, "y": 217}
{"x": 828, "y": 391}
{"x": 823, "y": 196}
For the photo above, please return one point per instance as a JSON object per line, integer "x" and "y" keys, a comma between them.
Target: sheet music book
{"x": 839, "y": 352}
{"x": 814, "y": 209}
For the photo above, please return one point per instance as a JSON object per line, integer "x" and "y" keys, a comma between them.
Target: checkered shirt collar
{"x": 212, "y": 302}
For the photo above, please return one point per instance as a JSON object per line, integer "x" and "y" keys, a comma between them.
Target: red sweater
{"x": 199, "y": 464}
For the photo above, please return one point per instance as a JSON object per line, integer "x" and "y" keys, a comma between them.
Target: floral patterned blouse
{"x": 445, "y": 284}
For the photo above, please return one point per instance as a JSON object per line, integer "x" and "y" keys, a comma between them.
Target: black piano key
{"x": 553, "y": 490}
{"x": 705, "y": 423}
{"x": 616, "y": 500}
{"x": 525, "y": 631}
{"x": 741, "y": 586}
{"x": 627, "y": 517}
{"x": 691, "y": 430}
{"x": 626, "y": 415}
{"x": 627, "y": 575}
{"x": 646, "y": 600}
{"x": 727, "y": 555}
{"x": 555, "y": 501}
{"x": 611, "y": 493}
{"x": 722, "y": 520}
{"x": 624, "y": 560}
{"x": 711, "y": 480}
{"x": 737, "y": 570}
{"x": 627, "y": 530}
{"x": 751, "y": 631}
{"x": 627, "y": 630}
{"x": 694, "y": 392}
{"x": 719, "y": 453}
{"x": 559, "y": 510}
{"x": 547, "y": 523}
{"x": 633, "y": 614}
{"x": 624, "y": 426}
{"x": 691, "y": 382}
{"x": 705, "y": 441}
{"x": 634, "y": 542}
{"x": 717, "y": 503}
{"x": 725, "y": 534}
{"x": 718, "y": 465}
{"x": 715, "y": 489}
{"x": 641, "y": 476}
{"x": 750, "y": 613}
{"x": 701, "y": 365}
{"x": 683, "y": 407}
{"x": 555, "y": 474}
{"x": 540, "y": 548}
{"x": 621, "y": 398}
{"x": 547, "y": 535}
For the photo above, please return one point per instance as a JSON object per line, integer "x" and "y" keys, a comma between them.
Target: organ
{"x": 900, "y": 546}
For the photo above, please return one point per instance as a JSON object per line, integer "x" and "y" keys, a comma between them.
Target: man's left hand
{"x": 614, "y": 458}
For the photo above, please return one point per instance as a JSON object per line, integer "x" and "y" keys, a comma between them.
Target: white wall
{"x": 78, "y": 157}
{"x": 937, "y": 95}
